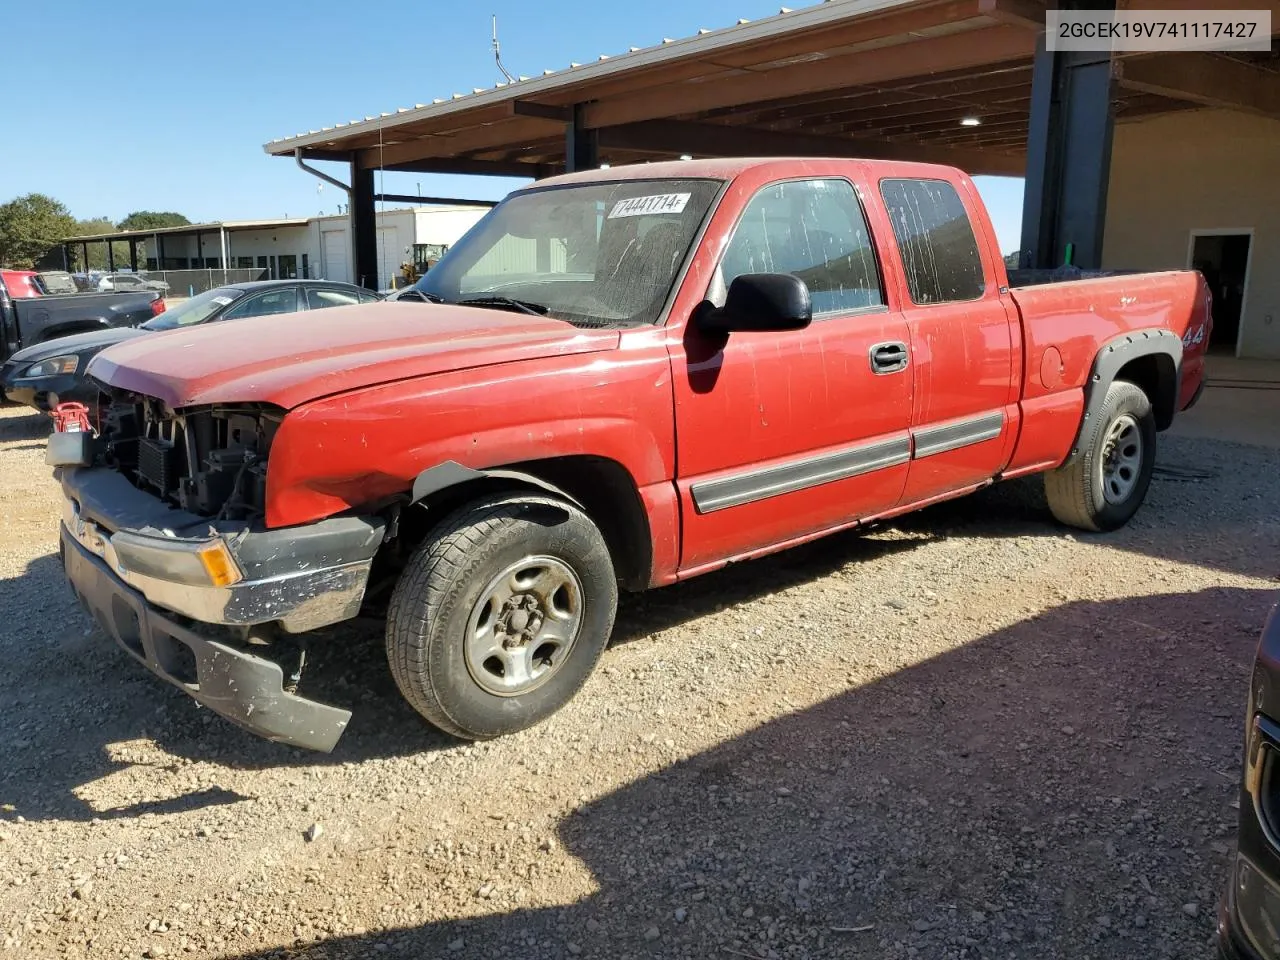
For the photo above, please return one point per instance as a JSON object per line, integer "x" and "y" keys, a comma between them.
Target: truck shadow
{"x": 71, "y": 695}
{"x": 1062, "y": 787}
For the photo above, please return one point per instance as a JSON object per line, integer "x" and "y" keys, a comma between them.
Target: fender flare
{"x": 1112, "y": 356}
{"x": 451, "y": 473}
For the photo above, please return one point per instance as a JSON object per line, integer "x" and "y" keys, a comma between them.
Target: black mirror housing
{"x": 760, "y": 302}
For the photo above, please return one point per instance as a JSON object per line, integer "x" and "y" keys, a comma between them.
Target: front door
{"x": 781, "y": 435}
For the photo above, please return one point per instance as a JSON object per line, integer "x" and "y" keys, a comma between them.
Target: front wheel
{"x": 1104, "y": 486}
{"x": 501, "y": 615}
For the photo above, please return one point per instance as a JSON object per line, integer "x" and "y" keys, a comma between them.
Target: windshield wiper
{"x": 415, "y": 294}
{"x": 505, "y": 303}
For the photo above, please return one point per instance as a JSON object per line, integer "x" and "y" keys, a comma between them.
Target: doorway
{"x": 1223, "y": 257}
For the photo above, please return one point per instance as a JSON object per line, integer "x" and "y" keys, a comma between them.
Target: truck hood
{"x": 288, "y": 360}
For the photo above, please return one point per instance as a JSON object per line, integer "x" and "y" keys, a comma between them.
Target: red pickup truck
{"x": 618, "y": 379}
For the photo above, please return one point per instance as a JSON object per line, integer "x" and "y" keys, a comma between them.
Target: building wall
{"x": 398, "y": 231}
{"x": 1204, "y": 170}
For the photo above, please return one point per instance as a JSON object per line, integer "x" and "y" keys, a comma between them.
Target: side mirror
{"x": 759, "y": 302}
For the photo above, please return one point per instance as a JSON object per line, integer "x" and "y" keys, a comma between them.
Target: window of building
{"x": 814, "y": 230}
{"x": 936, "y": 241}
{"x": 244, "y": 263}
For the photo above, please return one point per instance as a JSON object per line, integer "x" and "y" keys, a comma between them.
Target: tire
{"x": 1106, "y": 484}
{"x": 467, "y": 588}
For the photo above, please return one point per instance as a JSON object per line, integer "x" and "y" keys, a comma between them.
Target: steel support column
{"x": 364, "y": 228}
{"x": 111, "y": 256}
{"x": 581, "y": 146}
{"x": 1068, "y": 159}
{"x": 133, "y": 254}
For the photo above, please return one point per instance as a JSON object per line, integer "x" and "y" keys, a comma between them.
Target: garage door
{"x": 389, "y": 257}
{"x": 333, "y": 250}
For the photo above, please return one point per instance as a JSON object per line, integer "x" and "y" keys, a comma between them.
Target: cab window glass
{"x": 814, "y": 230}
{"x": 936, "y": 241}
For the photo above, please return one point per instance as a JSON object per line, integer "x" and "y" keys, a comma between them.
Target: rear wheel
{"x": 1106, "y": 484}
{"x": 501, "y": 615}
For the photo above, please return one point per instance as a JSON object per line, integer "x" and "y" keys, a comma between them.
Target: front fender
{"x": 354, "y": 449}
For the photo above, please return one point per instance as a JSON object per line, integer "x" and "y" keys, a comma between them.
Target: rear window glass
{"x": 936, "y": 241}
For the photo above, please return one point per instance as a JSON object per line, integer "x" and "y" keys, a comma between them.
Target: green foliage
{"x": 29, "y": 227}
{"x": 152, "y": 220}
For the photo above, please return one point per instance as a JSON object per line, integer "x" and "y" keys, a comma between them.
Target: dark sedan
{"x": 1249, "y": 921}
{"x": 48, "y": 373}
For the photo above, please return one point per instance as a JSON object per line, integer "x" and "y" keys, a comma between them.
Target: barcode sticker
{"x": 648, "y": 206}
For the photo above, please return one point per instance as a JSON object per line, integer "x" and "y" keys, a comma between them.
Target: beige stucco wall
{"x": 1200, "y": 170}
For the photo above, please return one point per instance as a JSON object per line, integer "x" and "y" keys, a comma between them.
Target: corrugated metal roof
{"x": 699, "y": 45}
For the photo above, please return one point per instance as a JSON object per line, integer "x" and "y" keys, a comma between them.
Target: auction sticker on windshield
{"x": 646, "y": 206}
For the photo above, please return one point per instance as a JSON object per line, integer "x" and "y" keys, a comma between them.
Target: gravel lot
{"x": 969, "y": 735}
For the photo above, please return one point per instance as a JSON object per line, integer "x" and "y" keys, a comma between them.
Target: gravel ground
{"x": 970, "y": 735}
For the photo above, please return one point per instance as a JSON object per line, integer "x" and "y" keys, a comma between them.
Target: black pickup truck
{"x": 24, "y": 322}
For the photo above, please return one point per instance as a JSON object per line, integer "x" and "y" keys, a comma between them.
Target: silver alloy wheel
{"x": 524, "y": 625}
{"x": 1121, "y": 460}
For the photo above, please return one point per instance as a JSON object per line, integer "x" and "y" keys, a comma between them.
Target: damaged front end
{"x": 164, "y": 542}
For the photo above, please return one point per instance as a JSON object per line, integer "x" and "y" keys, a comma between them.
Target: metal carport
{"x": 868, "y": 78}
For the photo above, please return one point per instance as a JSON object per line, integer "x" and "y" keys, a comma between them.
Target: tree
{"x": 30, "y": 227}
{"x": 98, "y": 251}
{"x": 151, "y": 220}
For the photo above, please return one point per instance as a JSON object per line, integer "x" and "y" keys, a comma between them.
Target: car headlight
{"x": 53, "y": 367}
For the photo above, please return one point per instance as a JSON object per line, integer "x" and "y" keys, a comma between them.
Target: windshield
{"x": 196, "y": 310}
{"x": 597, "y": 255}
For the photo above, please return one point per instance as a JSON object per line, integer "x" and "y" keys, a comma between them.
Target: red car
{"x": 620, "y": 378}
{"x": 22, "y": 284}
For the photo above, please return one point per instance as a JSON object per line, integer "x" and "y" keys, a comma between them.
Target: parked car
{"x": 27, "y": 321}
{"x": 22, "y": 284}
{"x": 1249, "y": 916}
{"x": 130, "y": 281}
{"x": 622, "y": 378}
{"x": 54, "y": 371}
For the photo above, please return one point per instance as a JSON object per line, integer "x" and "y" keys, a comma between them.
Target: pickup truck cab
{"x": 617, "y": 379}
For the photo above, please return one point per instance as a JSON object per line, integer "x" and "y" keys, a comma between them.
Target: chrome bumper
{"x": 158, "y": 567}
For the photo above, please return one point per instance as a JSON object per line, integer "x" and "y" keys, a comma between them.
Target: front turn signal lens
{"x": 218, "y": 563}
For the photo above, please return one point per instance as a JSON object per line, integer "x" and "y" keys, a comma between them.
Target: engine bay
{"x": 210, "y": 461}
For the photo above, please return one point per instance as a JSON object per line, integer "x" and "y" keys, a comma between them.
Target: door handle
{"x": 889, "y": 357}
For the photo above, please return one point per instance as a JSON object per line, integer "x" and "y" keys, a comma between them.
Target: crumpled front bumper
{"x": 128, "y": 557}
{"x": 242, "y": 687}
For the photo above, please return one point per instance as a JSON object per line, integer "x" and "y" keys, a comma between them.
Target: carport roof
{"x": 192, "y": 228}
{"x": 872, "y": 78}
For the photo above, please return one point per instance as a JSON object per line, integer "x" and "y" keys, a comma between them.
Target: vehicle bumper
{"x": 1195, "y": 397}
{"x": 137, "y": 581}
{"x": 1249, "y": 912}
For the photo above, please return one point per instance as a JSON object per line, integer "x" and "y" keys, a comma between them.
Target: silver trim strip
{"x": 952, "y": 436}
{"x": 734, "y": 491}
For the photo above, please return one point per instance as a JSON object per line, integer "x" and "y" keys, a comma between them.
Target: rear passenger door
{"x": 964, "y": 412}
{"x": 784, "y": 434}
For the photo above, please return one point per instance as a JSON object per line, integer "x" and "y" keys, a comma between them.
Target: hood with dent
{"x": 78, "y": 343}
{"x": 290, "y": 359}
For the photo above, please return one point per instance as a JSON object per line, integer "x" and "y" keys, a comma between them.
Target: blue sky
{"x": 166, "y": 106}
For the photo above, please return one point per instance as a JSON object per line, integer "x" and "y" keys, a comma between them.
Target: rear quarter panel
{"x": 1064, "y": 325}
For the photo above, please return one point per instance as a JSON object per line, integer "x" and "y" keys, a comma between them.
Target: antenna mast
{"x": 497, "y": 52}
